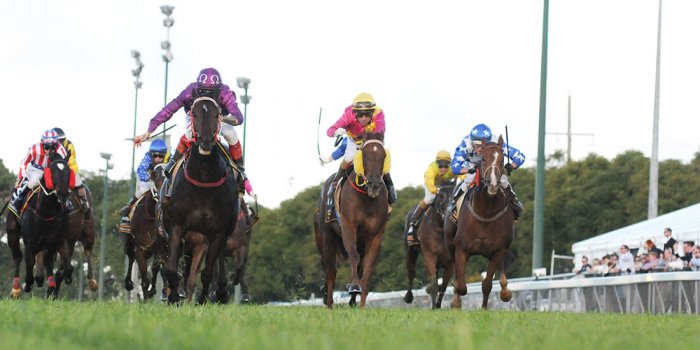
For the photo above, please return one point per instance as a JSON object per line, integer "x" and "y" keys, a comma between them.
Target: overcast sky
{"x": 436, "y": 68}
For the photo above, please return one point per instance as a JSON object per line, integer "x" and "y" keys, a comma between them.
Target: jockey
{"x": 468, "y": 157}
{"x": 31, "y": 169}
{"x": 73, "y": 165}
{"x": 360, "y": 117}
{"x": 208, "y": 84}
{"x": 157, "y": 154}
{"x": 437, "y": 174}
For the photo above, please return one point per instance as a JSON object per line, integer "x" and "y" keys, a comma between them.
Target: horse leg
{"x": 142, "y": 263}
{"x": 49, "y": 258}
{"x": 460, "y": 287}
{"x": 199, "y": 249}
{"x": 13, "y": 243}
{"x": 129, "y": 247}
{"x": 29, "y": 259}
{"x": 431, "y": 269}
{"x": 506, "y": 295}
{"x": 411, "y": 257}
{"x": 38, "y": 266}
{"x": 487, "y": 283}
{"x": 328, "y": 261}
{"x": 350, "y": 243}
{"x": 88, "y": 240}
{"x": 171, "y": 268}
{"x": 371, "y": 252}
{"x": 241, "y": 257}
{"x": 215, "y": 249}
{"x": 222, "y": 294}
{"x": 447, "y": 272}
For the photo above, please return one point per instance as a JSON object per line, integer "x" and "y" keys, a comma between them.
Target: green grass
{"x": 37, "y": 324}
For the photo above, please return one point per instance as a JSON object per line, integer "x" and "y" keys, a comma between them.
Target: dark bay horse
{"x": 237, "y": 247}
{"x": 42, "y": 228}
{"x": 203, "y": 201}
{"x": 144, "y": 241}
{"x": 485, "y": 226}
{"x": 432, "y": 247}
{"x": 362, "y": 217}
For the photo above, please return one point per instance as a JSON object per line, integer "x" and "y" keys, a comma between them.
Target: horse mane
{"x": 373, "y": 136}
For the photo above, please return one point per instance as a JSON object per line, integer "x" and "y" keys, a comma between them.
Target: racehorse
{"x": 362, "y": 216}
{"x": 432, "y": 247}
{"x": 144, "y": 241}
{"x": 203, "y": 200}
{"x": 485, "y": 226}
{"x": 42, "y": 228}
{"x": 237, "y": 246}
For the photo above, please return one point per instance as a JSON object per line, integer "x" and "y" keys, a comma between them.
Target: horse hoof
{"x": 506, "y": 295}
{"x": 432, "y": 290}
{"x": 222, "y": 297}
{"x": 456, "y": 303}
{"x": 128, "y": 285}
{"x": 92, "y": 284}
{"x": 408, "y": 298}
{"x": 245, "y": 299}
{"x": 39, "y": 281}
{"x": 15, "y": 293}
{"x": 354, "y": 289}
{"x": 27, "y": 288}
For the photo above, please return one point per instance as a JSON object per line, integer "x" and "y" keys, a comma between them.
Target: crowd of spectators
{"x": 649, "y": 258}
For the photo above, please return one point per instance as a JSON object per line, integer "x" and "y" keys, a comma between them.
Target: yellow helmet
{"x": 363, "y": 102}
{"x": 443, "y": 155}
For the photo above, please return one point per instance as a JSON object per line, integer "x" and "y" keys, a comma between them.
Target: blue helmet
{"x": 480, "y": 133}
{"x": 158, "y": 146}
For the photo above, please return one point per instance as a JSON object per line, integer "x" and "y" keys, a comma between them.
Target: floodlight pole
{"x": 103, "y": 228}
{"x": 136, "y": 72}
{"x": 243, "y": 83}
{"x": 168, "y": 22}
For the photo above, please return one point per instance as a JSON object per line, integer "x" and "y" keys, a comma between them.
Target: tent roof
{"x": 685, "y": 224}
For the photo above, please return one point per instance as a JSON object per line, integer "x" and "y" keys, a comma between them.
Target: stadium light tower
{"x": 243, "y": 83}
{"x": 168, "y": 22}
{"x": 136, "y": 72}
{"x": 103, "y": 228}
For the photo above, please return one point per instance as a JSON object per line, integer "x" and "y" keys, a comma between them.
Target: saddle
{"x": 333, "y": 204}
{"x": 24, "y": 204}
{"x": 168, "y": 184}
{"x": 125, "y": 225}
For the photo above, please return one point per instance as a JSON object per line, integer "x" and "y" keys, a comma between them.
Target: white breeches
{"x": 350, "y": 150}
{"x": 429, "y": 196}
{"x": 141, "y": 188}
{"x": 34, "y": 175}
{"x": 78, "y": 180}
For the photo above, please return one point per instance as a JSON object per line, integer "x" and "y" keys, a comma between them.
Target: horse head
{"x": 205, "y": 123}
{"x": 157, "y": 176}
{"x": 492, "y": 166}
{"x": 373, "y": 156}
{"x": 57, "y": 180}
{"x": 443, "y": 197}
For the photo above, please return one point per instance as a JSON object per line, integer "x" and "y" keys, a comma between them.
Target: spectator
{"x": 688, "y": 251}
{"x": 613, "y": 268}
{"x": 585, "y": 266}
{"x": 639, "y": 261}
{"x": 651, "y": 247}
{"x": 670, "y": 241}
{"x": 695, "y": 261}
{"x": 626, "y": 260}
{"x": 667, "y": 260}
{"x": 651, "y": 263}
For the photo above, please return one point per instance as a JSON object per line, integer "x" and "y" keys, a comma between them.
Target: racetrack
{"x": 36, "y": 323}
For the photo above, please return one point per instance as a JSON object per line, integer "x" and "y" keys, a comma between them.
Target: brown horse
{"x": 203, "y": 201}
{"x": 363, "y": 214}
{"x": 144, "y": 241}
{"x": 485, "y": 226}
{"x": 432, "y": 246}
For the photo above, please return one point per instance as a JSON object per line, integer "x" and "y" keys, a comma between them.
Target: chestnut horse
{"x": 485, "y": 226}
{"x": 144, "y": 241}
{"x": 203, "y": 202}
{"x": 432, "y": 247}
{"x": 42, "y": 228}
{"x": 362, "y": 217}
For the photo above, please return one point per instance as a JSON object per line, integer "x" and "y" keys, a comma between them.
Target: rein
{"x": 205, "y": 184}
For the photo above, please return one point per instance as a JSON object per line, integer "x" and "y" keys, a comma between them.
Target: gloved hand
{"x": 509, "y": 168}
{"x": 471, "y": 171}
{"x": 325, "y": 160}
{"x": 339, "y": 132}
{"x": 248, "y": 187}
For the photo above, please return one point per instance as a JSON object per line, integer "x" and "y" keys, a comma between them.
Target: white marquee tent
{"x": 685, "y": 224}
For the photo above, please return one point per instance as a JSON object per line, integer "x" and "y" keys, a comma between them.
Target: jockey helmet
{"x": 208, "y": 78}
{"x": 363, "y": 102}
{"x": 61, "y": 134}
{"x": 443, "y": 155}
{"x": 49, "y": 137}
{"x": 480, "y": 133}
{"x": 158, "y": 146}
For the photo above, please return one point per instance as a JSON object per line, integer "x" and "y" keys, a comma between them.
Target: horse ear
{"x": 500, "y": 140}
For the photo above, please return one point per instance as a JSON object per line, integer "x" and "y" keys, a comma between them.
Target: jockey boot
{"x": 517, "y": 206}
{"x": 82, "y": 197}
{"x": 242, "y": 177}
{"x": 124, "y": 212}
{"x": 453, "y": 203}
{"x": 339, "y": 176}
{"x": 18, "y": 196}
{"x": 412, "y": 233}
{"x": 390, "y": 188}
{"x": 173, "y": 160}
